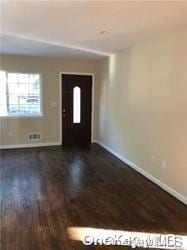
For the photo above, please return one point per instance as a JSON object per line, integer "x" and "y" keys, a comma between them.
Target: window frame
{"x": 41, "y": 98}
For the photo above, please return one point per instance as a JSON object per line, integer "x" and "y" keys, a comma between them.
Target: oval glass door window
{"x": 76, "y": 105}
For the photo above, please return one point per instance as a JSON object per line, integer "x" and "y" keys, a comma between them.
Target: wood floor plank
{"x": 45, "y": 191}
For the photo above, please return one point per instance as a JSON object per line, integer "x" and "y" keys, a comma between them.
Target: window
{"x": 76, "y": 105}
{"x": 20, "y": 94}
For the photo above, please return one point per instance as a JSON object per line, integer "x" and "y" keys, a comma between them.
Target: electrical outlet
{"x": 164, "y": 165}
{"x": 10, "y": 135}
{"x": 153, "y": 159}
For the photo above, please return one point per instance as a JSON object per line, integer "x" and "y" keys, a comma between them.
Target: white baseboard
{"x": 30, "y": 145}
{"x": 129, "y": 163}
{"x": 146, "y": 174}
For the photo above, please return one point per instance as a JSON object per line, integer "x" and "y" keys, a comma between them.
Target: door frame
{"x": 60, "y": 100}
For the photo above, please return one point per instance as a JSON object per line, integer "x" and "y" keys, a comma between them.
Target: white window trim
{"x": 17, "y": 116}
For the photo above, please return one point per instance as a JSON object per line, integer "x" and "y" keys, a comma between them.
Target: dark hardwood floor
{"x": 44, "y": 191}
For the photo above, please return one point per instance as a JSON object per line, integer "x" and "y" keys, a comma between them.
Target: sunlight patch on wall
{"x": 112, "y": 66}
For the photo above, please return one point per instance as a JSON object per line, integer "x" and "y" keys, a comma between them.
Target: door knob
{"x": 64, "y": 115}
{"x": 63, "y": 110}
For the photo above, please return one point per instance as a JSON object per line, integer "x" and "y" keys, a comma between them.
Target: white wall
{"x": 143, "y": 107}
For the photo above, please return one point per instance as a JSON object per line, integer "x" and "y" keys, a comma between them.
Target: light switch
{"x": 53, "y": 104}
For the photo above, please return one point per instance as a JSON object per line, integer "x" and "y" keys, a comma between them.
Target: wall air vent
{"x": 34, "y": 136}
